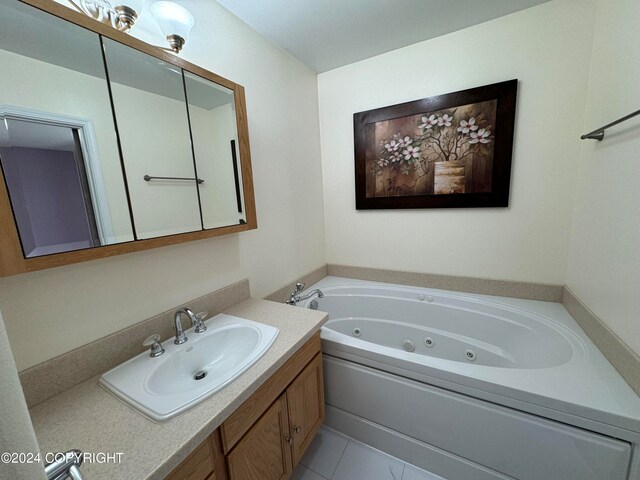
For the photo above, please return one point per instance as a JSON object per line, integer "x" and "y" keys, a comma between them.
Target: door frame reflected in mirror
{"x": 90, "y": 155}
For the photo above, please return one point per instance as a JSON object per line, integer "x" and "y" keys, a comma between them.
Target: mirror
{"x": 58, "y": 147}
{"x": 215, "y": 144}
{"x": 149, "y": 101}
{"x": 106, "y": 141}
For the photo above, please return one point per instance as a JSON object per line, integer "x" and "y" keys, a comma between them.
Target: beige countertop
{"x": 88, "y": 418}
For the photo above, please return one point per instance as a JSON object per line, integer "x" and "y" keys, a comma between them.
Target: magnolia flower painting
{"x": 435, "y": 153}
{"x": 453, "y": 150}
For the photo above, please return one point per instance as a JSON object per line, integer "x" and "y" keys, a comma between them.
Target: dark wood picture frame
{"x": 505, "y": 95}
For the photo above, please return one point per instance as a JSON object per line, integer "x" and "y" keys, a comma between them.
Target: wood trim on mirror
{"x": 12, "y": 260}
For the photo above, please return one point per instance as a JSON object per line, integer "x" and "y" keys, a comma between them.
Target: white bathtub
{"x": 474, "y": 386}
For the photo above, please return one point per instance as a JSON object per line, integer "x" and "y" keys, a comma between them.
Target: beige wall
{"x": 604, "y": 260}
{"x": 53, "y": 311}
{"x": 548, "y": 49}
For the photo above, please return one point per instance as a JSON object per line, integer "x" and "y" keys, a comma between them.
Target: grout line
{"x": 317, "y": 473}
{"x": 341, "y": 456}
{"x": 350, "y": 440}
{"x": 312, "y": 470}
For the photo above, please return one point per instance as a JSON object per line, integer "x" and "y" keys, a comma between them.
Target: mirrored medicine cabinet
{"x": 109, "y": 145}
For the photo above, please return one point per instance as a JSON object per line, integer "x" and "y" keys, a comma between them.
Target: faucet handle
{"x": 200, "y": 317}
{"x": 74, "y": 473}
{"x": 293, "y": 296}
{"x": 156, "y": 347}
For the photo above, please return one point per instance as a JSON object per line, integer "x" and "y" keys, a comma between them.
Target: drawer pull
{"x": 289, "y": 440}
{"x": 297, "y": 429}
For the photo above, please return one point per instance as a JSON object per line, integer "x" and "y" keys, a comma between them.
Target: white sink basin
{"x": 186, "y": 374}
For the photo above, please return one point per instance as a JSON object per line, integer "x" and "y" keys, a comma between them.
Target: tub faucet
{"x": 295, "y": 296}
{"x": 177, "y": 325}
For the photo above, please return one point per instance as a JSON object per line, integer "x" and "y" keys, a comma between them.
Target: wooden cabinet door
{"x": 305, "y": 398}
{"x": 197, "y": 466}
{"x": 264, "y": 452}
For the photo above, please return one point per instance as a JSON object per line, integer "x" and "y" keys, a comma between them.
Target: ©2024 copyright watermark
{"x": 50, "y": 457}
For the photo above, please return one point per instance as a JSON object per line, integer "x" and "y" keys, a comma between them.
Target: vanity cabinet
{"x": 265, "y": 451}
{"x": 305, "y": 402}
{"x": 197, "y": 466}
{"x": 265, "y": 438}
{"x": 274, "y": 445}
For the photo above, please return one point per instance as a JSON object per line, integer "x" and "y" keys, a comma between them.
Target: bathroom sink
{"x": 187, "y": 374}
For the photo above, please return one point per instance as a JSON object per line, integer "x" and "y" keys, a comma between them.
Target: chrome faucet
{"x": 177, "y": 325}
{"x": 295, "y": 296}
{"x": 292, "y": 297}
{"x": 65, "y": 466}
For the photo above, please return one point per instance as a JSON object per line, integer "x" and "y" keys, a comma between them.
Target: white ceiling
{"x": 326, "y": 34}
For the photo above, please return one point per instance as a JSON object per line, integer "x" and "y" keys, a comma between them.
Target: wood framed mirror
{"x": 109, "y": 145}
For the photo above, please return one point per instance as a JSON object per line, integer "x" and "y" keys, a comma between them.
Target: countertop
{"x": 90, "y": 419}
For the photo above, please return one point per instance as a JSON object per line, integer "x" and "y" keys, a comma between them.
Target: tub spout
{"x": 312, "y": 293}
{"x": 295, "y": 298}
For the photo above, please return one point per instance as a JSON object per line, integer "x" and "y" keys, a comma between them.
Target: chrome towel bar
{"x": 598, "y": 134}
{"x": 148, "y": 178}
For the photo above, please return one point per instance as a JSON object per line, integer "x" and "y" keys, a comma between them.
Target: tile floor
{"x": 333, "y": 456}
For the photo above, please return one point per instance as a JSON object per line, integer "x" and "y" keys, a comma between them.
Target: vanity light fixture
{"x": 174, "y": 20}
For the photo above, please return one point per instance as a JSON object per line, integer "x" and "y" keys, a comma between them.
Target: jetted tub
{"x": 474, "y": 386}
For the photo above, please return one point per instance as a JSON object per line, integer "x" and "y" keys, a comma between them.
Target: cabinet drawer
{"x": 514, "y": 443}
{"x": 197, "y": 466}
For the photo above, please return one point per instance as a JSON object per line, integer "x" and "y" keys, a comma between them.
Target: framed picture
{"x": 448, "y": 151}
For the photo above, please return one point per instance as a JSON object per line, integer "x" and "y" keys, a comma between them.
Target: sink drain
{"x": 199, "y": 375}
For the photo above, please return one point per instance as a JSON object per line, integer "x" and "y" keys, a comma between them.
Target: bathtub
{"x": 474, "y": 386}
